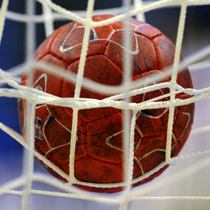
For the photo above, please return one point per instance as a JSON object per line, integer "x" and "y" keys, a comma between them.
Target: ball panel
{"x": 45, "y": 46}
{"x": 116, "y": 46}
{"x": 60, "y": 155}
{"x": 184, "y": 79}
{"x": 62, "y": 34}
{"x": 182, "y": 126}
{"x": 147, "y": 30}
{"x": 99, "y": 149}
{"x": 146, "y": 59}
{"x": 150, "y": 144}
{"x": 165, "y": 50}
{"x": 152, "y": 160}
{"x": 149, "y": 149}
{"x": 143, "y": 52}
{"x": 48, "y": 82}
{"x": 63, "y": 116}
{"x": 68, "y": 43}
{"x": 99, "y": 69}
{"x": 103, "y": 32}
{"x": 150, "y": 126}
{"x": 55, "y": 133}
{"x": 104, "y": 139}
{"x": 92, "y": 170}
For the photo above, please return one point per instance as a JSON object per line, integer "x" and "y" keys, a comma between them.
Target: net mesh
{"x": 126, "y": 89}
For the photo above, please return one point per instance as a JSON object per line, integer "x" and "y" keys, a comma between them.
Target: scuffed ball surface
{"x": 98, "y": 155}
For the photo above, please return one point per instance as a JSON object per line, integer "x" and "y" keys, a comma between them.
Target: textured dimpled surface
{"x": 98, "y": 155}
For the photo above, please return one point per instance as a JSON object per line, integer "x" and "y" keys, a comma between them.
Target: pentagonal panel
{"x": 68, "y": 43}
{"x": 142, "y": 52}
{"x": 105, "y": 139}
{"x": 151, "y": 151}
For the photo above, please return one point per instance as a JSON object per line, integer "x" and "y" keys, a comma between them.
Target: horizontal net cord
{"x": 146, "y": 189}
{"x": 191, "y": 155}
{"x": 15, "y": 183}
{"x": 61, "y": 195}
{"x": 174, "y": 178}
{"x": 107, "y": 200}
{"x": 15, "y": 72}
{"x": 73, "y": 192}
{"x": 61, "y": 173}
{"x": 41, "y": 178}
{"x": 202, "y": 129}
{"x": 70, "y": 189}
{"x": 18, "y": 17}
{"x": 199, "y": 66}
{"x": 146, "y": 89}
{"x": 68, "y": 14}
{"x": 145, "y": 8}
{"x": 104, "y": 89}
{"x": 17, "y": 137}
{"x": 43, "y": 97}
{"x": 172, "y": 197}
{"x": 88, "y": 104}
{"x": 198, "y": 95}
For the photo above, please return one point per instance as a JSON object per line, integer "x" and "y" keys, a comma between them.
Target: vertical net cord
{"x": 4, "y": 8}
{"x": 139, "y": 16}
{"x": 80, "y": 73}
{"x": 179, "y": 40}
{"x": 28, "y": 159}
{"x": 48, "y": 20}
{"x": 126, "y": 117}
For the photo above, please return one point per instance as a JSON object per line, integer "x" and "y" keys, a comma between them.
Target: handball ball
{"x": 99, "y": 148}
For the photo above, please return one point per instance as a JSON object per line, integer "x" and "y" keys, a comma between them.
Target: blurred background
{"x": 12, "y": 53}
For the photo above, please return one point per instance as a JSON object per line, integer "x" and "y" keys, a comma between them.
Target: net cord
{"x": 4, "y": 8}
{"x": 178, "y": 48}
{"x": 28, "y": 157}
{"x": 78, "y": 86}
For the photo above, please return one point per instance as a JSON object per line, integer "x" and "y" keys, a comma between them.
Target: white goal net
{"x": 184, "y": 185}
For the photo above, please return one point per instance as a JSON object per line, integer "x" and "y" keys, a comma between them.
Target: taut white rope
{"x": 4, "y": 7}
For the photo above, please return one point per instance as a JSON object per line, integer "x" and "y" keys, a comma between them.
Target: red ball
{"x": 99, "y": 154}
